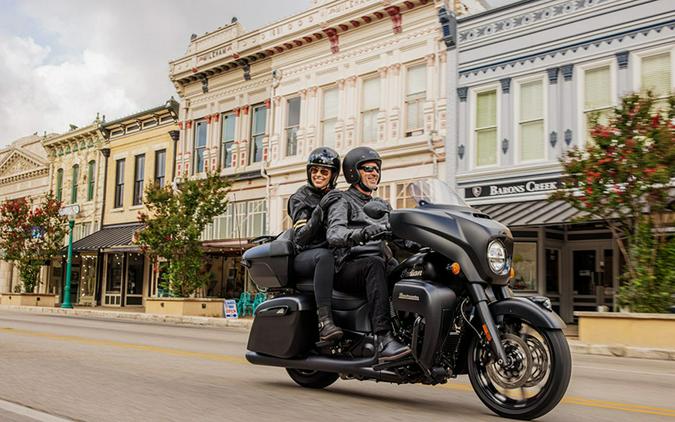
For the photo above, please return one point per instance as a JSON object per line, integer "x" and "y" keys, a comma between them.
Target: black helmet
{"x": 324, "y": 157}
{"x": 356, "y": 157}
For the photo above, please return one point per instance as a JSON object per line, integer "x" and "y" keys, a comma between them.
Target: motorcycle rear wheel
{"x": 527, "y": 392}
{"x": 312, "y": 379}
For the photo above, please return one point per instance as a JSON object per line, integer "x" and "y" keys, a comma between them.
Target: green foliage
{"x": 623, "y": 177}
{"x": 173, "y": 225}
{"x": 31, "y": 235}
{"x": 651, "y": 289}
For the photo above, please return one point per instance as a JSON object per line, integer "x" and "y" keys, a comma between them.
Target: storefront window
{"x": 114, "y": 275}
{"x": 525, "y": 264}
{"x": 88, "y": 280}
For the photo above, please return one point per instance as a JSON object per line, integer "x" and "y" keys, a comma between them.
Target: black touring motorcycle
{"x": 450, "y": 302}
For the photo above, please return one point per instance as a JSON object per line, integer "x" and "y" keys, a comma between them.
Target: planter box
{"x": 185, "y": 306}
{"x": 29, "y": 299}
{"x": 628, "y": 329}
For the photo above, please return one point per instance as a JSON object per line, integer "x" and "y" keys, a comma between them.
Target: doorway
{"x": 592, "y": 276}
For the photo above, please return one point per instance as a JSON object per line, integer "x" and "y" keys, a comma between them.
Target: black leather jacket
{"x": 310, "y": 232}
{"x": 346, "y": 217}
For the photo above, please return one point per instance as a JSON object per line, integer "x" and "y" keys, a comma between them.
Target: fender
{"x": 529, "y": 311}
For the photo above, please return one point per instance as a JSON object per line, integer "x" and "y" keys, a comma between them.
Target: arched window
{"x": 59, "y": 184}
{"x": 90, "y": 179}
{"x": 76, "y": 177}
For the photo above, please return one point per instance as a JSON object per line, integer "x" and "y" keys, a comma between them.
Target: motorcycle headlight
{"x": 496, "y": 255}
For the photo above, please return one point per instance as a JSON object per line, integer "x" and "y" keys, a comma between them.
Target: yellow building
{"x": 141, "y": 150}
{"x": 76, "y": 176}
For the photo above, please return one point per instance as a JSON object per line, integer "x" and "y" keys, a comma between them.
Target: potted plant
{"x": 176, "y": 217}
{"x": 624, "y": 178}
{"x": 29, "y": 236}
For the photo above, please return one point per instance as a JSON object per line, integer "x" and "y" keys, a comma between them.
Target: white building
{"x": 341, "y": 74}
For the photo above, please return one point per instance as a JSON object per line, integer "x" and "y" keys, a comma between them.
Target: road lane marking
{"x": 129, "y": 346}
{"x": 579, "y": 401}
{"x": 30, "y": 413}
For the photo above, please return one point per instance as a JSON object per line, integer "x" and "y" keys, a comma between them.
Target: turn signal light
{"x": 512, "y": 273}
{"x": 455, "y": 268}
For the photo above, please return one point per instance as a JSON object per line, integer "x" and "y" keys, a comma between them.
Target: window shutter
{"x": 531, "y": 101}
{"x": 330, "y": 103}
{"x": 656, "y": 74}
{"x": 597, "y": 88}
{"x": 486, "y": 109}
{"x": 371, "y": 94}
{"x": 417, "y": 79}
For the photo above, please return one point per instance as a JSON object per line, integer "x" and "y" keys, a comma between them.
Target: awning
{"x": 107, "y": 237}
{"x": 532, "y": 213}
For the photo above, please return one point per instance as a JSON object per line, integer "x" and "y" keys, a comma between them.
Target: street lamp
{"x": 70, "y": 211}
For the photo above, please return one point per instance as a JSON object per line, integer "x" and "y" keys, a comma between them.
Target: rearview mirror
{"x": 375, "y": 210}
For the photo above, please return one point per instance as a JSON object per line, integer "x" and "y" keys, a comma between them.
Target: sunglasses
{"x": 370, "y": 169}
{"x": 324, "y": 171}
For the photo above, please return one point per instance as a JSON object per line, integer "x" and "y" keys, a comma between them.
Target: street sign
{"x": 231, "y": 308}
{"x": 69, "y": 210}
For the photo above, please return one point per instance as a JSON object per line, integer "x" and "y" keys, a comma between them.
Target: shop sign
{"x": 503, "y": 189}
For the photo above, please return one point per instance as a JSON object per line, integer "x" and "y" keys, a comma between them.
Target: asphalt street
{"x": 56, "y": 368}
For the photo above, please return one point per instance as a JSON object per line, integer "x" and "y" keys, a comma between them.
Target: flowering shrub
{"x": 624, "y": 177}
{"x": 31, "y": 235}
{"x": 173, "y": 225}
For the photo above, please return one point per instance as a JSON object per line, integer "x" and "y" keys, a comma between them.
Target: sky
{"x": 64, "y": 61}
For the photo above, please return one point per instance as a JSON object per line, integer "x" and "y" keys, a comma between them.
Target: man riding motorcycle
{"x": 314, "y": 258}
{"x": 361, "y": 258}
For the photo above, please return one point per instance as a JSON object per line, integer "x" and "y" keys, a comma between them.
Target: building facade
{"x": 341, "y": 74}
{"x": 529, "y": 77}
{"x": 24, "y": 172}
{"x": 139, "y": 151}
{"x": 76, "y": 176}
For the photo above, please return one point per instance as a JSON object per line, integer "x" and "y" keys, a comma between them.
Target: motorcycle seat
{"x": 340, "y": 300}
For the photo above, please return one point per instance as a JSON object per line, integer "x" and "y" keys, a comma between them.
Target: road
{"x": 56, "y": 368}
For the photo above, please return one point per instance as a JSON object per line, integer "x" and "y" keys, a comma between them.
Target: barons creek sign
{"x": 502, "y": 189}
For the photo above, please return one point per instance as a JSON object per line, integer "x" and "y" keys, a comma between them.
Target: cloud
{"x": 38, "y": 96}
{"x": 63, "y": 61}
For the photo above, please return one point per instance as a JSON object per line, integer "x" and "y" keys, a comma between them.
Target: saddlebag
{"x": 270, "y": 264}
{"x": 284, "y": 327}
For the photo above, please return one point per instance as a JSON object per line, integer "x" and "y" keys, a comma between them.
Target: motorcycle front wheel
{"x": 312, "y": 379}
{"x": 536, "y": 380}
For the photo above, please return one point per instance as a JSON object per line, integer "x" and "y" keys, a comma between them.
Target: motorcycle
{"x": 450, "y": 302}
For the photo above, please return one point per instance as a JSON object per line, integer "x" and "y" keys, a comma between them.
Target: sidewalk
{"x": 138, "y": 314}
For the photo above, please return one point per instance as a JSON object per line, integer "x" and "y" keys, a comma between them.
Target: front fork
{"x": 480, "y": 301}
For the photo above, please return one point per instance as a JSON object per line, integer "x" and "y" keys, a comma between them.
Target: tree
{"x": 31, "y": 235}
{"x": 624, "y": 177}
{"x": 173, "y": 224}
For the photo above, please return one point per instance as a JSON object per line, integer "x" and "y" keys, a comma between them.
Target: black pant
{"x": 320, "y": 265}
{"x": 367, "y": 275}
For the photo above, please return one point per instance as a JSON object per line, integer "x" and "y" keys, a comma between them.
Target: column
{"x": 5, "y": 277}
{"x": 507, "y": 139}
{"x": 624, "y": 83}
{"x": 554, "y": 136}
{"x": 567, "y": 108}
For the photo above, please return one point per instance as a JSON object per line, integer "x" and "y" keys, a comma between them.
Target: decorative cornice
{"x": 529, "y": 18}
{"x": 462, "y": 93}
{"x": 567, "y": 71}
{"x": 583, "y": 45}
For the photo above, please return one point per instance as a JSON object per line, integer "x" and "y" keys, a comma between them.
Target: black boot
{"x": 390, "y": 349}
{"x": 328, "y": 331}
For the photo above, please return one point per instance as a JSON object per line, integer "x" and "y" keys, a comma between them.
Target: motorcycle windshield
{"x": 434, "y": 191}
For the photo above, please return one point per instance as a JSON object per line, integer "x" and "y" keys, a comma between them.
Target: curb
{"x": 135, "y": 316}
{"x": 619, "y": 350}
